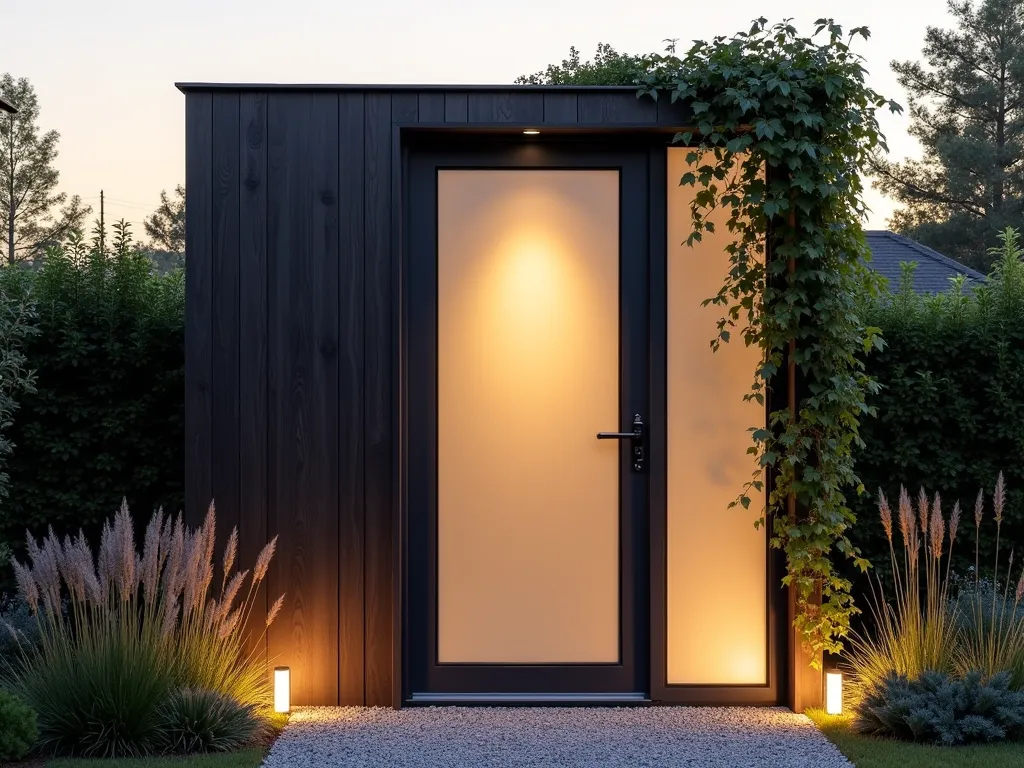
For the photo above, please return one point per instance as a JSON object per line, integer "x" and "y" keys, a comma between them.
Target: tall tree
{"x": 166, "y": 227}
{"x": 967, "y": 110}
{"x": 32, "y": 213}
{"x": 609, "y": 67}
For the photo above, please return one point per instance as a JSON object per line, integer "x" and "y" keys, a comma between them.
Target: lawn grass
{"x": 870, "y": 752}
{"x": 248, "y": 758}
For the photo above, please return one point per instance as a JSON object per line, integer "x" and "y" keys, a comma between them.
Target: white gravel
{"x": 567, "y": 737}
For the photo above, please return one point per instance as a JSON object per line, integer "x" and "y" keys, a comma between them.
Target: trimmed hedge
{"x": 950, "y": 413}
{"x": 107, "y": 419}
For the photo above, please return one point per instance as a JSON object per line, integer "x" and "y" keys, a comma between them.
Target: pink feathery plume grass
{"x": 915, "y": 549}
{"x": 1019, "y": 594}
{"x": 194, "y": 551}
{"x": 229, "y": 625}
{"x": 263, "y": 561}
{"x": 999, "y": 498}
{"x": 231, "y": 592}
{"x": 80, "y": 570}
{"x": 106, "y": 562}
{"x": 906, "y": 516}
{"x": 124, "y": 535}
{"x": 938, "y": 528}
{"x": 885, "y": 514}
{"x": 207, "y": 541}
{"x": 149, "y": 563}
{"x": 954, "y": 523}
{"x": 173, "y": 578}
{"x": 274, "y": 610}
{"x": 46, "y": 569}
{"x": 169, "y": 620}
{"x": 209, "y": 530}
{"x": 212, "y": 612}
{"x": 27, "y": 587}
{"x": 922, "y": 511}
{"x": 979, "y": 508}
{"x": 72, "y": 578}
{"x": 230, "y": 553}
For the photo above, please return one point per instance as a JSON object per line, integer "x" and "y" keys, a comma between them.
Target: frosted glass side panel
{"x": 528, "y": 372}
{"x": 716, "y": 559}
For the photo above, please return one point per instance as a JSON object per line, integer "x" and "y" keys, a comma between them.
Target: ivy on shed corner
{"x": 784, "y": 125}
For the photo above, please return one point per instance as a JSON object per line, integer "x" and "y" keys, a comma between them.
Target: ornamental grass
{"x": 913, "y": 630}
{"x": 123, "y": 633}
{"x": 930, "y": 621}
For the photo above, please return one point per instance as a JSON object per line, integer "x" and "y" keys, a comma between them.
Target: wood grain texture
{"x": 303, "y": 239}
{"x": 225, "y": 352}
{"x": 404, "y": 108}
{"x": 431, "y": 107}
{"x": 199, "y": 303}
{"x": 506, "y": 107}
{"x": 351, "y": 362}
{"x": 456, "y": 107}
{"x": 252, "y": 339}
{"x": 293, "y": 235}
{"x": 561, "y": 108}
{"x": 378, "y": 433}
{"x": 609, "y": 108}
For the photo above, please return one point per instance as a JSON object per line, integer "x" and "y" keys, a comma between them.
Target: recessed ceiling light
{"x": 531, "y": 131}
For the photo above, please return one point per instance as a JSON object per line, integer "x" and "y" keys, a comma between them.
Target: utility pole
{"x": 103, "y": 231}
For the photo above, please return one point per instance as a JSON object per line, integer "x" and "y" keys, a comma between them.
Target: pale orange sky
{"x": 105, "y": 72}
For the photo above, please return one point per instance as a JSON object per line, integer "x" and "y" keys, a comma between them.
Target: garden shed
{"x": 447, "y": 345}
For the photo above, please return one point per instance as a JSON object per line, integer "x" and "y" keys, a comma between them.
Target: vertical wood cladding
{"x": 291, "y": 364}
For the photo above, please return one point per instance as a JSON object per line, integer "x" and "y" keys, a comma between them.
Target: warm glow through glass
{"x": 282, "y": 689}
{"x": 717, "y": 568}
{"x": 531, "y": 131}
{"x": 528, "y": 364}
{"x": 834, "y": 693}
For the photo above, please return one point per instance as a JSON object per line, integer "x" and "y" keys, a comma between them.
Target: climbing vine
{"x": 784, "y": 124}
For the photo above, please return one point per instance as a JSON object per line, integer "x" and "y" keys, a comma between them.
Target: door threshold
{"x": 529, "y": 699}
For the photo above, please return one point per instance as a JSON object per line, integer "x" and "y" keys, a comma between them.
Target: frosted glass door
{"x": 528, "y": 507}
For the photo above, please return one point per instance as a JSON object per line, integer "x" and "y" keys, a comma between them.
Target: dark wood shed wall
{"x": 291, "y": 350}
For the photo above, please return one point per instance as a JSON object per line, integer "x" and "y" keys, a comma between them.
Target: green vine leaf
{"x": 784, "y": 126}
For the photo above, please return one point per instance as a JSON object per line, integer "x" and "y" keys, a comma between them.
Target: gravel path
{"x": 566, "y": 737}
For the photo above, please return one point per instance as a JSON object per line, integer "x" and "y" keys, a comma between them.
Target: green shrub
{"x": 194, "y": 720}
{"x": 17, "y": 727}
{"x": 950, "y": 411}
{"x": 138, "y": 627}
{"x": 106, "y": 419}
{"x": 939, "y": 710}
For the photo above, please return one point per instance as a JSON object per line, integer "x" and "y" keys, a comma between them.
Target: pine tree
{"x": 166, "y": 226}
{"x": 967, "y": 110}
{"x": 32, "y": 213}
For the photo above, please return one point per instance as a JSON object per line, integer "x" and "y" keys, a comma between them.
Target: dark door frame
{"x": 655, "y": 142}
{"x": 429, "y": 680}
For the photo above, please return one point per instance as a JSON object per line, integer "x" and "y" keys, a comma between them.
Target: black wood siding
{"x": 291, "y": 357}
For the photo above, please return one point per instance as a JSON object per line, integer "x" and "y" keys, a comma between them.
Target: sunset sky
{"x": 105, "y": 72}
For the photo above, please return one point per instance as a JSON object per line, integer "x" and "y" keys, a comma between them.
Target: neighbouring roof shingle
{"x": 889, "y": 250}
{"x": 7, "y": 107}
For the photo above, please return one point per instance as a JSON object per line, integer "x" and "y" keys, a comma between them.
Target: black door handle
{"x": 637, "y": 438}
